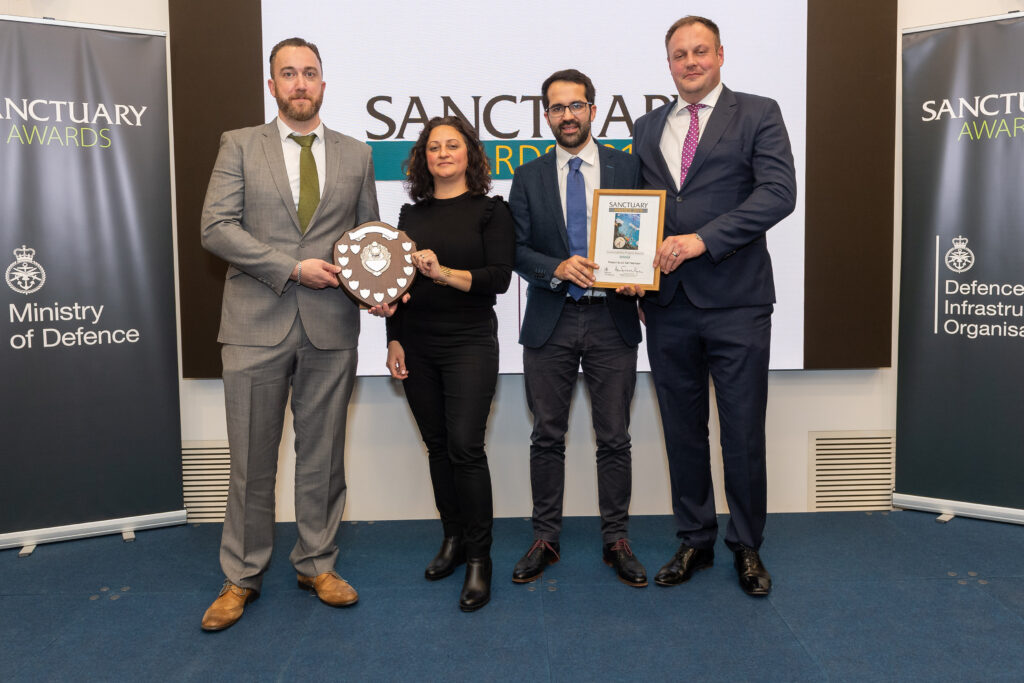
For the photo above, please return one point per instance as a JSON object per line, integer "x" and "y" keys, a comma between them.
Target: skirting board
{"x": 17, "y": 539}
{"x": 958, "y": 508}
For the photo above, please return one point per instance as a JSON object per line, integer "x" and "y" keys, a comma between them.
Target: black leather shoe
{"x": 620, "y": 556}
{"x": 754, "y": 578}
{"x": 476, "y": 589}
{"x": 450, "y": 556}
{"x": 531, "y": 565}
{"x": 683, "y": 564}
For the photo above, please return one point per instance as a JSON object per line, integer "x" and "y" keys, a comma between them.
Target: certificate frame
{"x": 626, "y": 229}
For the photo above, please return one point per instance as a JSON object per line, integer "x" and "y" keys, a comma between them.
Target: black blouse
{"x": 475, "y": 233}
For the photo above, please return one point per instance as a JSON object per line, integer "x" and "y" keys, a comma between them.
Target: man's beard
{"x": 295, "y": 113}
{"x": 570, "y": 140}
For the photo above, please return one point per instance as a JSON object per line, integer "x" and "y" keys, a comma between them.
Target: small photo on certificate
{"x": 625, "y": 232}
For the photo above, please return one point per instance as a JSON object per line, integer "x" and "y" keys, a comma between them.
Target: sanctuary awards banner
{"x": 960, "y": 426}
{"x": 91, "y": 439}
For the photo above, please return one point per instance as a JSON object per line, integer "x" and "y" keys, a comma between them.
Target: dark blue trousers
{"x": 685, "y": 345}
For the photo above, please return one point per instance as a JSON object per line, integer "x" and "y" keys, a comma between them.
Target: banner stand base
{"x": 123, "y": 525}
{"x": 958, "y": 508}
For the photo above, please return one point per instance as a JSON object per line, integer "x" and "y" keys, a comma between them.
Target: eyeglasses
{"x": 558, "y": 110}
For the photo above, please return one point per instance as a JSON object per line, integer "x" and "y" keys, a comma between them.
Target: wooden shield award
{"x": 376, "y": 263}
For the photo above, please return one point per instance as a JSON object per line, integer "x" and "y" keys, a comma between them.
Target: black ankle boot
{"x": 476, "y": 590}
{"x": 450, "y": 556}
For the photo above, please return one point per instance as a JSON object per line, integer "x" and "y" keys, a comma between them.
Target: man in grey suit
{"x": 568, "y": 324}
{"x": 280, "y": 196}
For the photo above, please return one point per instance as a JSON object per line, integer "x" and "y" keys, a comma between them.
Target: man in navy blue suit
{"x": 569, "y": 324}
{"x": 724, "y": 159}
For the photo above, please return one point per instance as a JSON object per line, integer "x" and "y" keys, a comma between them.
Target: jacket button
{"x": 678, "y": 199}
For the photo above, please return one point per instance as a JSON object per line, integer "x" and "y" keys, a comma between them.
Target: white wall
{"x": 148, "y": 14}
{"x": 387, "y": 471}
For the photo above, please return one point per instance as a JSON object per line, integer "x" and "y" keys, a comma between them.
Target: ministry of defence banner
{"x": 91, "y": 431}
{"x": 961, "y": 349}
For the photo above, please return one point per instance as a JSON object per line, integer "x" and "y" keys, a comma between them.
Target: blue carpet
{"x": 858, "y": 597}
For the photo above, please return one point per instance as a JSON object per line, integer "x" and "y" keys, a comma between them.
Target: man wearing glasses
{"x": 569, "y": 325}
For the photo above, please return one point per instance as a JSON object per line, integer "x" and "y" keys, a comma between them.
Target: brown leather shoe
{"x": 228, "y": 607}
{"x": 330, "y": 588}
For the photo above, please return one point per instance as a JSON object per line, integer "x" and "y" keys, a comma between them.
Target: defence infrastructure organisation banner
{"x": 960, "y": 425}
{"x": 90, "y": 427}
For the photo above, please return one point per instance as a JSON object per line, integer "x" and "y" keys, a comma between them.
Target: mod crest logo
{"x": 959, "y": 258}
{"x": 25, "y": 276}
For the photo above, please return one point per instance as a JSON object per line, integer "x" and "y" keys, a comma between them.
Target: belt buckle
{"x": 588, "y": 299}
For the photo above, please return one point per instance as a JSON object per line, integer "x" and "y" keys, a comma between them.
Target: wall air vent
{"x": 206, "y": 468}
{"x": 851, "y": 470}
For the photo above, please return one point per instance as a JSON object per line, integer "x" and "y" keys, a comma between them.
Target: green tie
{"x": 309, "y": 181}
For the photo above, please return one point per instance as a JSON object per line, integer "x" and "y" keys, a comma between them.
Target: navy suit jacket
{"x": 740, "y": 184}
{"x": 542, "y": 243}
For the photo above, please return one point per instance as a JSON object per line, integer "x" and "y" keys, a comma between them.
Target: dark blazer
{"x": 542, "y": 243}
{"x": 740, "y": 184}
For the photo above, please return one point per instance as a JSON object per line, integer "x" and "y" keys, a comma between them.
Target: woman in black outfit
{"x": 442, "y": 341}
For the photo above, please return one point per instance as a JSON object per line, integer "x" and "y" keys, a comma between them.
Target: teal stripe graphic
{"x": 505, "y": 155}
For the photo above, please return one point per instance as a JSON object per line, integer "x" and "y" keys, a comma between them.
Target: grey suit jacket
{"x": 542, "y": 243}
{"x": 249, "y": 220}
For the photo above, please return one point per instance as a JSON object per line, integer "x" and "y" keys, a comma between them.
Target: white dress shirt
{"x": 676, "y": 126}
{"x": 291, "y": 151}
{"x": 591, "y": 171}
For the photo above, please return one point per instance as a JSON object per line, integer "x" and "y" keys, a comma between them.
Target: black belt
{"x": 587, "y": 300}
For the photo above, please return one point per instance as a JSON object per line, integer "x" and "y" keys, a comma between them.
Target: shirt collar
{"x": 588, "y": 154}
{"x": 709, "y": 101}
{"x": 285, "y": 131}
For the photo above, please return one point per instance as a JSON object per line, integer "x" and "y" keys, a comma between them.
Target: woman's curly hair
{"x": 420, "y": 184}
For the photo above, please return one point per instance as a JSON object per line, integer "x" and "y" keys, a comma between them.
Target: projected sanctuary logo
{"x": 396, "y": 125}
{"x": 975, "y": 310}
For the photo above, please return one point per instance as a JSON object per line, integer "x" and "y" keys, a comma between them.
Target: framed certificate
{"x": 626, "y": 229}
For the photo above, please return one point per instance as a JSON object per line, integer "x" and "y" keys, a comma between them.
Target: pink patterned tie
{"x": 690, "y": 143}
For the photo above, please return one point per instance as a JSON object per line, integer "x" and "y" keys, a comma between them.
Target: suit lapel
{"x": 332, "y": 162}
{"x": 275, "y": 161}
{"x": 607, "y": 166}
{"x": 721, "y": 115}
{"x": 549, "y": 183}
{"x": 652, "y": 145}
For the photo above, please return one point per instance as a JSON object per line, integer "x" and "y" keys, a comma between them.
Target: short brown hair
{"x": 419, "y": 182}
{"x": 689, "y": 20}
{"x": 294, "y": 42}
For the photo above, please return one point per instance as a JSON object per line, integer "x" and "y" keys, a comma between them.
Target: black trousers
{"x": 686, "y": 344}
{"x": 453, "y": 372}
{"x": 586, "y": 337}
